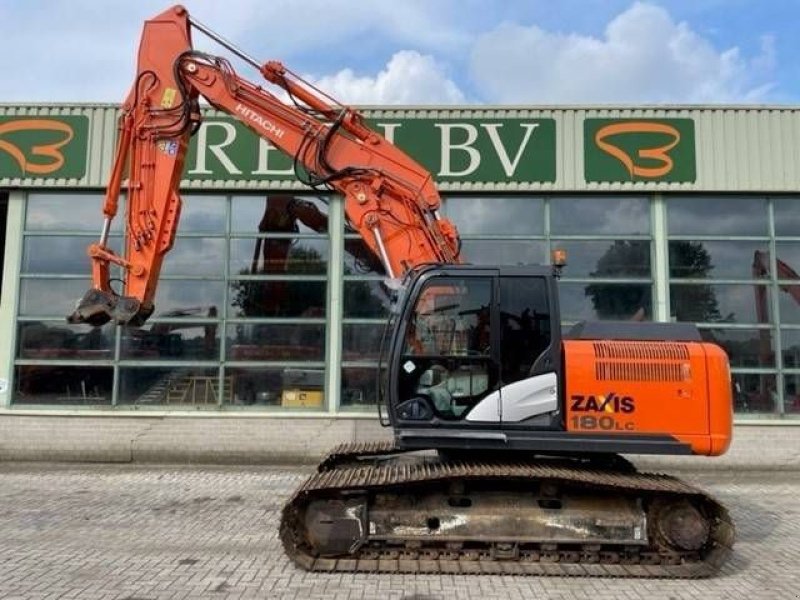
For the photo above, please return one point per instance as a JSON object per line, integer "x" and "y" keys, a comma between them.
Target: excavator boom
{"x": 389, "y": 199}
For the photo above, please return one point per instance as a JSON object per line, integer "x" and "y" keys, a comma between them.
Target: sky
{"x": 432, "y": 52}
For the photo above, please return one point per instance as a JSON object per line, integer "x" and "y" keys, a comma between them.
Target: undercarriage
{"x": 373, "y": 508}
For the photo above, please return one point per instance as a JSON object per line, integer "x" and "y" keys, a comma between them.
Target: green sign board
{"x": 43, "y": 146}
{"x": 618, "y": 150}
{"x": 454, "y": 150}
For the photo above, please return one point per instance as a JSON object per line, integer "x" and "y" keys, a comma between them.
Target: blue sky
{"x": 433, "y": 51}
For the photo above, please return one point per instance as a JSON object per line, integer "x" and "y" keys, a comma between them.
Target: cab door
{"x": 449, "y": 359}
{"x": 529, "y": 333}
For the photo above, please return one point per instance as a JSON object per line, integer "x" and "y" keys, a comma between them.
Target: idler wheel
{"x": 679, "y": 524}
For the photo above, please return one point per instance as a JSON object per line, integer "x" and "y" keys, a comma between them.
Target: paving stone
{"x": 156, "y": 532}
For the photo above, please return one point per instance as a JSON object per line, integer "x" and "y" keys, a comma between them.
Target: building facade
{"x": 269, "y": 303}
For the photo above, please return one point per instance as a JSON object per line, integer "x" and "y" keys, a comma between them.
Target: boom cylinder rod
{"x": 383, "y": 253}
{"x": 104, "y": 231}
{"x": 225, "y": 43}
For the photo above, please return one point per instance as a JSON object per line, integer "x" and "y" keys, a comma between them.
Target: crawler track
{"x": 369, "y": 469}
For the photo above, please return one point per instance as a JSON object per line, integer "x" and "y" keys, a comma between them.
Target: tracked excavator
{"x": 507, "y": 434}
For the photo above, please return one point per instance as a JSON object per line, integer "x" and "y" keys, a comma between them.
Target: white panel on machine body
{"x": 518, "y": 401}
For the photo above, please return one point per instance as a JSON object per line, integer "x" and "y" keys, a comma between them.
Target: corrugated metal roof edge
{"x": 473, "y": 107}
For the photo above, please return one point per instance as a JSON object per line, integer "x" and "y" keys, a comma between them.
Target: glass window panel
{"x": 618, "y": 258}
{"x": 69, "y": 212}
{"x": 59, "y": 340}
{"x": 791, "y": 393}
{"x": 171, "y": 341}
{"x": 362, "y": 341}
{"x": 745, "y": 347}
{"x": 196, "y": 257}
{"x": 604, "y": 301}
{"x": 202, "y": 214}
{"x": 594, "y": 215}
{"x": 790, "y": 347}
{"x": 359, "y": 387}
{"x": 279, "y": 213}
{"x": 790, "y": 304}
{"x": 167, "y": 386}
{"x": 517, "y": 215}
{"x": 754, "y": 393}
{"x": 789, "y": 259}
{"x": 286, "y": 387}
{"x": 276, "y": 341}
{"x": 293, "y": 256}
{"x": 258, "y": 298}
{"x": 787, "y": 216}
{"x": 188, "y": 299}
{"x": 365, "y": 299}
{"x": 50, "y": 297}
{"x": 718, "y": 303}
{"x": 718, "y": 260}
{"x": 359, "y": 259}
{"x": 504, "y": 252}
{"x": 63, "y": 385}
{"x": 717, "y": 215}
{"x": 61, "y": 255}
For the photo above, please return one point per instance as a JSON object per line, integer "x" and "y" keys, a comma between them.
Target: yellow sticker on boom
{"x": 168, "y": 99}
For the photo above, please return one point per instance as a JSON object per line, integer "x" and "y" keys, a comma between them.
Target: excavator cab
{"x": 474, "y": 348}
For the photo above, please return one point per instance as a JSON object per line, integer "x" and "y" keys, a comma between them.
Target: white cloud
{"x": 643, "y": 56}
{"x": 408, "y": 78}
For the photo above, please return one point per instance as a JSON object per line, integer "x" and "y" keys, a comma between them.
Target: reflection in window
{"x": 605, "y": 301}
{"x": 754, "y": 393}
{"x": 791, "y": 393}
{"x": 171, "y": 341}
{"x": 790, "y": 347}
{"x": 188, "y": 299}
{"x": 286, "y": 387}
{"x": 276, "y": 256}
{"x": 698, "y": 302}
{"x": 63, "y": 385}
{"x": 525, "y": 325}
{"x": 279, "y": 213}
{"x": 359, "y": 259}
{"x": 275, "y": 342}
{"x": 745, "y": 347}
{"x": 61, "y": 255}
{"x": 790, "y": 304}
{"x": 202, "y": 214}
{"x": 717, "y": 215}
{"x": 787, "y": 217}
{"x": 600, "y": 215}
{"x": 610, "y": 259}
{"x": 366, "y": 299}
{"x": 504, "y": 252}
{"x": 58, "y": 340}
{"x": 271, "y": 298}
{"x": 68, "y": 212}
{"x": 185, "y": 387}
{"x": 362, "y": 341}
{"x": 359, "y": 387}
{"x": 718, "y": 260}
{"x": 50, "y": 297}
{"x": 518, "y": 215}
{"x": 196, "y": 257}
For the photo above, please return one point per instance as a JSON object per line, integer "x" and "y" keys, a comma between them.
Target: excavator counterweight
{"x": 507, "y": 434}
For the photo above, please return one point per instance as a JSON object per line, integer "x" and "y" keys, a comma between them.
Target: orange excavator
{"x": 507, "y": 434}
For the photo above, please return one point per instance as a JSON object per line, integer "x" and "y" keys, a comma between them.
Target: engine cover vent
{"x": 641, "y": 350}
{"x": 652, "y": 371}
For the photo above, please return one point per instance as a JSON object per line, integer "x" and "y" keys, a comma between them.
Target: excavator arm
{"x": 389, "y": 199}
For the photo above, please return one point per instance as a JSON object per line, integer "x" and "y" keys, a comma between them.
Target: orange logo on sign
{"x": 657, "y": 153}
{"x": 48, "y": 151}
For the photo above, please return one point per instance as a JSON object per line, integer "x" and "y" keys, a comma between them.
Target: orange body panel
{"x": 677, "y": 389}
